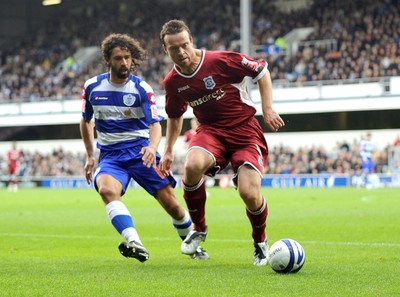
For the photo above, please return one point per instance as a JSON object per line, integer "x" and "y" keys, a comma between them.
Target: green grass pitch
{"x": 60, "y": 243}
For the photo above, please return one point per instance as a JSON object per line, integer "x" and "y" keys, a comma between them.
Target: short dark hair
{"x": 173, "y": 27}
{"x": 126, "y": 42}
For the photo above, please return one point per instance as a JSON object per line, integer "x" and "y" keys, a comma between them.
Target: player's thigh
{"x": 110, "y": 179}
{"x": 199, "y": 159}
{"x": 250, "y": 154}
{"x": 249, "y": 180}
{"x": 249, "y": 186}
{"x": 249, "y": 148}
{"x": 207, "y": 153}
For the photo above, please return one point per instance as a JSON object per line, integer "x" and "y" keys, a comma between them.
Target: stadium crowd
{"x": 351, "y": 40}
{"x": 343, "y": 159}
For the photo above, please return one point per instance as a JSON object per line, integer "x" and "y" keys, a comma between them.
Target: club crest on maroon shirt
{"x": 209, "y": 82}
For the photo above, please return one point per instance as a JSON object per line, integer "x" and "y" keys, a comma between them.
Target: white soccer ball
{"x": 286, "y": 256}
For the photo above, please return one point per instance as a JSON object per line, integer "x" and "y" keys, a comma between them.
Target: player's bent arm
{"x": 271, "y": 118}
{"x": 265, "y": 88}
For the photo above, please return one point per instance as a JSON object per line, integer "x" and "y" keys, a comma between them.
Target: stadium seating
{"x": 344, "y": 45}
{"x": 349, "y": 42}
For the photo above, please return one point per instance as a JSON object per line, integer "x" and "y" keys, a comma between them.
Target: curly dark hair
{"x": 123, "y": 41}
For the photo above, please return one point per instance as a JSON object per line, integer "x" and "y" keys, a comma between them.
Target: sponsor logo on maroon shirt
{"x": 252, "y": 65}
{"x": 217, "y": 95}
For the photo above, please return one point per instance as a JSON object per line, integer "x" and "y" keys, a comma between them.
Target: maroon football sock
{"x": 195, "y": 197}
{"x": 258, "y": 220}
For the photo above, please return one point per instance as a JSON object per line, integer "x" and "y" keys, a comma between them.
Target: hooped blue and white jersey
{"x": 122, "y": 112}
{"x": 366, "y": 150}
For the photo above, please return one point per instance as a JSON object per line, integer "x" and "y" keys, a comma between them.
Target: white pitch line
{"x": 349, "y": 243}
{"x": 54, "y": 236}
{"x": 375, "y": 244}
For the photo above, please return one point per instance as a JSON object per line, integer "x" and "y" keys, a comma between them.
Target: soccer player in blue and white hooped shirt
{"x": 128, "y": 131}
{"x": 368, "y": 177}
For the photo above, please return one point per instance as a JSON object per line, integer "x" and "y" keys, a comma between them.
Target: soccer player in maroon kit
{"x": 213, "y": 84}
{"x": 13, "y": 157}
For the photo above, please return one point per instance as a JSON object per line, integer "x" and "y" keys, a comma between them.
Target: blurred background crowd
{"x": 351, "y": 40}
{"x": 344, "y": 158}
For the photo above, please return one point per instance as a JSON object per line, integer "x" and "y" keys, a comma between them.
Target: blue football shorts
{"x": 368, "y": 166}
{"x": 127, "y": 164}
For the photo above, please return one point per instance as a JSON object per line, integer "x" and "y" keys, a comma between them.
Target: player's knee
{"x": 247, "y": 193}
{"x": 251, "y": 197}
{"x": 198, "y": 162}
{"x": 193, "y": 166}
{"x": 108, "y": 193}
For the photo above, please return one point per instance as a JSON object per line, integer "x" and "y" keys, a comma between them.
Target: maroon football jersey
{"x": 216, "y": 90}
{"x": 13, "y": 157}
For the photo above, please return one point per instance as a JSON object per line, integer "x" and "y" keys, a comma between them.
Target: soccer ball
{"x": 286, "y": 256}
